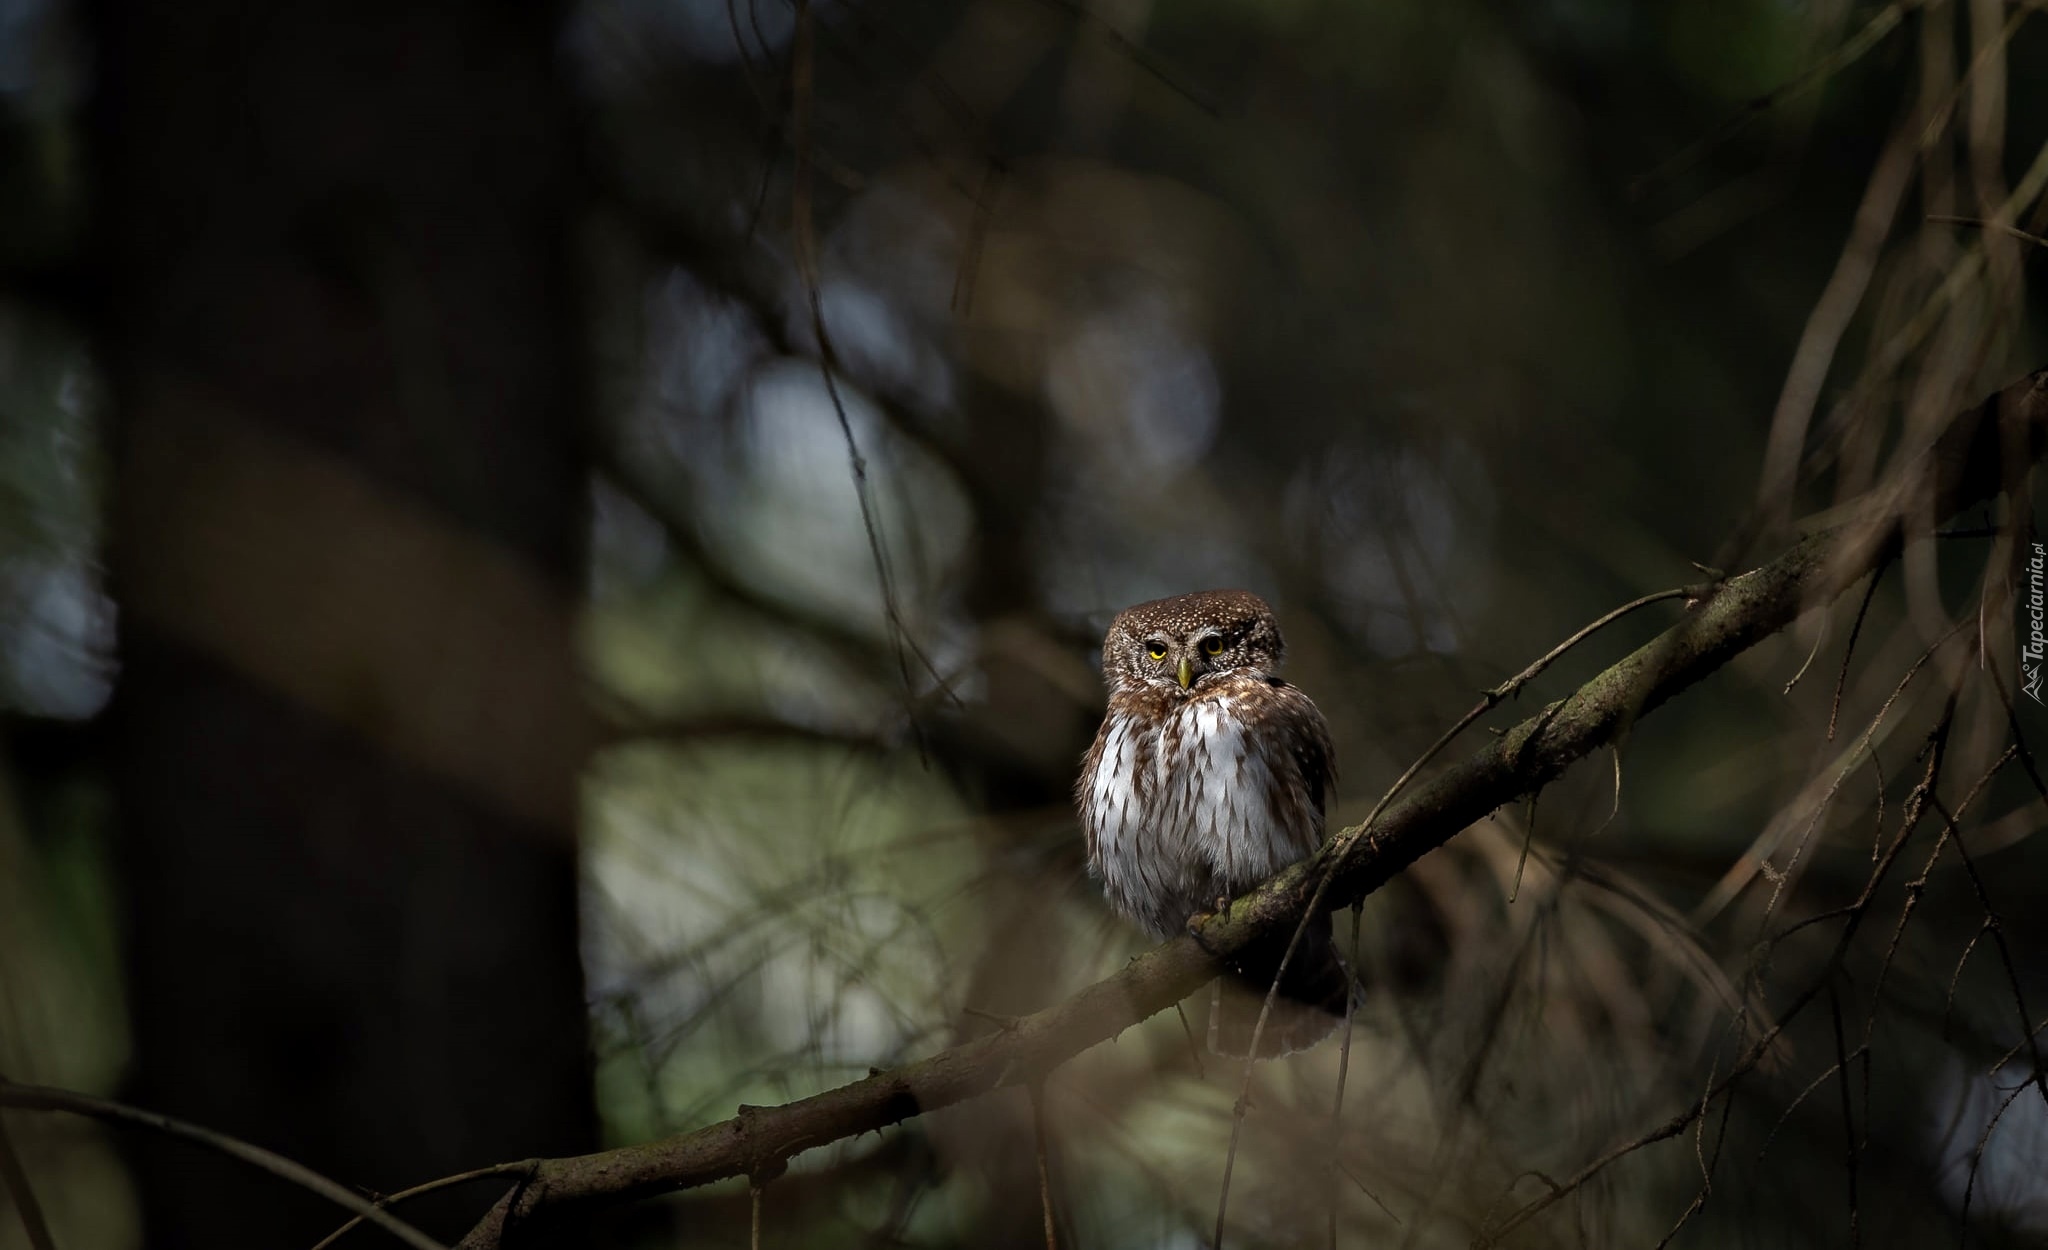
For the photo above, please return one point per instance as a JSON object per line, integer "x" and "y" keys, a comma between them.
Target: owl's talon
{"x": 1201, "y": 918}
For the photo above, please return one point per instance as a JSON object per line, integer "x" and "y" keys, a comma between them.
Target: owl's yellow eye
{"x": 1157, "y": 650}
{"x": 1212, "y": 645}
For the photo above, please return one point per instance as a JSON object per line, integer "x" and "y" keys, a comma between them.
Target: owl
{"x": 1209, "y": 775}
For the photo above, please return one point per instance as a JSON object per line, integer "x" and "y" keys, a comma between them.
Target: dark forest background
{"x": 550, "y": 561}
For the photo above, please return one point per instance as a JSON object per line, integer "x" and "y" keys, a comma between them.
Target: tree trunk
{"x": 349, "y": 500}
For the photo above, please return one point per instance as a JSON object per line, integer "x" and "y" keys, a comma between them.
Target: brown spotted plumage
{"x": 1209, "y": 775}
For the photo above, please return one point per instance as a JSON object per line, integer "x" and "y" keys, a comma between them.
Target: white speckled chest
{"x": 1184, "y": 809}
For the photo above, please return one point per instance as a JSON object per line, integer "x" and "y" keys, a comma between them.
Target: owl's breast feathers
{"x": 1188, "y": 799}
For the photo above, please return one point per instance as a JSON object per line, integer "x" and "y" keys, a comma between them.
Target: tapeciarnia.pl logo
{"x": 2037, "y": 612}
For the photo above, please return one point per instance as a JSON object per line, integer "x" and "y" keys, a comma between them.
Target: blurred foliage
{"x": 1447, "y": 326}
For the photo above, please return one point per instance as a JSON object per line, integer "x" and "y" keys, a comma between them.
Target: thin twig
{"x": 1528, "y": 837}
{"x": 1836, "y": 60}
{"x": 2039, "y": 1077}
{"x": 2017, "y": 1047}
{"x": 1829, "y": 320}
{"x": 2000, "y": 226}
{"x": 2019, "y": 737}
{"x": 33, "y": 1224}
{"x": 523, "y": 1167}
{"x": 1194, "y": 1050}
{"x": 1948, "y": 1003}
{"x": 1367, "y": 1191}
{"x": 43, "y": 1098}
{"x": 828, "y": 368}
{"x": 1848, "y": 1119}
{"x": 1977, "y": 1155}
{"x": 1237, "y": 1114}
{"x": 1343, "y": 1072}
{"x": 1918, "y": 884}
{"x": 1855, "y": 631}
{"x": 1801, "y": 1097}
{"x": 1820, "y": 637}
{"x": 1508, "y": 689}
{"x": 1140, "y": 56}
{"x": 1037, "y": 1091}
{"x": 977, "y": 235}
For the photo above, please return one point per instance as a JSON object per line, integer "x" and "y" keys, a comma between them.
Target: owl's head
{"x": 1177, "y": 644}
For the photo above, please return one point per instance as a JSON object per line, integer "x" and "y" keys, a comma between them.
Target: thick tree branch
{"x": 1983, "y": 452}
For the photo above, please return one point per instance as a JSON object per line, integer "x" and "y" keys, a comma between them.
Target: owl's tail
{"x": 1315, "y": 992}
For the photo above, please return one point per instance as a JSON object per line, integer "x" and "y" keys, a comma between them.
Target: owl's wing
{"x": 1087, "y": 797}
{"x": 1295, "y": 723}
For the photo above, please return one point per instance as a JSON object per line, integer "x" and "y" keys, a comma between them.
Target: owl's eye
{"x": 1157, "y": 650}
{"x": 1212, "y": 645}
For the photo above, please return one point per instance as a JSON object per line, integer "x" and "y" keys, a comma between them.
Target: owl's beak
{"x": 1187, "y": 673}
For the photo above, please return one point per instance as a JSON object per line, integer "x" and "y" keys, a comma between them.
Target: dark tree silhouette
{"x": 338, "y": 318}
